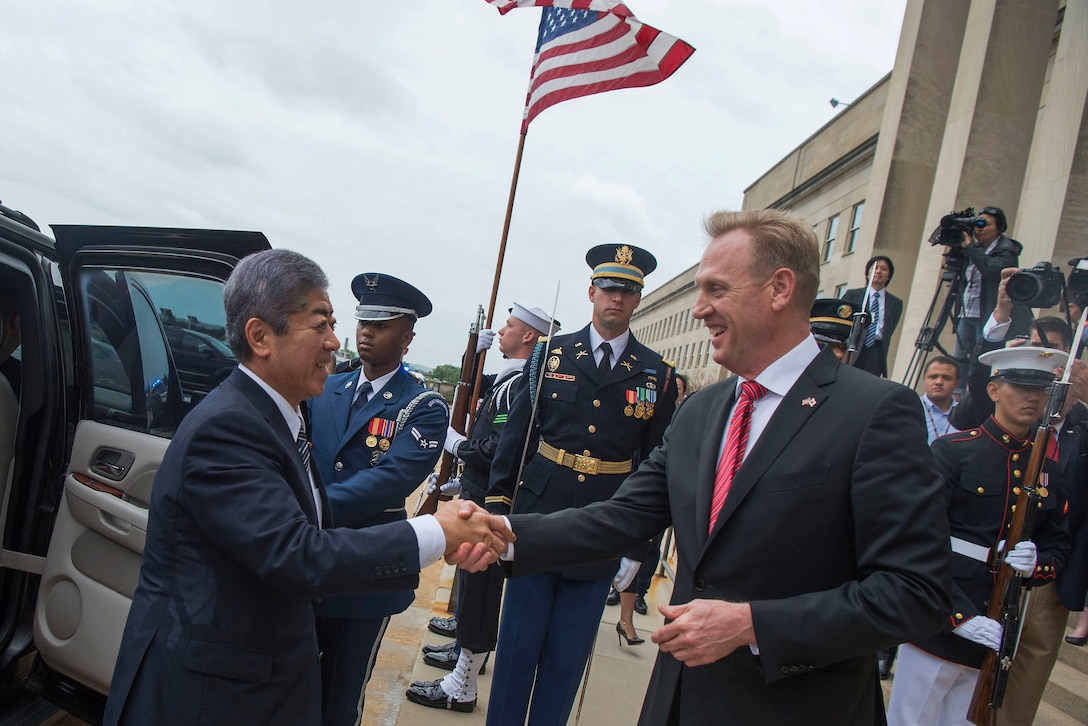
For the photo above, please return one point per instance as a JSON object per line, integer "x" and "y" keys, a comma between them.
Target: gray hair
{"x": 268, "y": 285}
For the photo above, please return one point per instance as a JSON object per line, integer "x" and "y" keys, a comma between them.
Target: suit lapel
{"x": 578, "y": 344}
{"x": 266, "y": 407}
{"x": 710, "y": 448}
{"x": 377, "y": 406}
{"x": 796, "y": 407}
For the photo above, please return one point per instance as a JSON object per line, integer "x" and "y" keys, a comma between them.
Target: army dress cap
{"x": 384, "y": 297}
{"x": 831, "y": 320}
{"x": 1024, "y": 366}
{"x": 620, "y": 266}
{"x": 535, "y": 318}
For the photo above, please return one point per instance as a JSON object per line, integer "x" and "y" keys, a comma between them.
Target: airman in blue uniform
{"x": 377, "y": 434}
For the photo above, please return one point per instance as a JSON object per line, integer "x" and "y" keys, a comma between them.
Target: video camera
{"x": 1042, "y": 285}
{"x": 953, "y": 226}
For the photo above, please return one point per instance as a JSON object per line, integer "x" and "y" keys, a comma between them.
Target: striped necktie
{"x": 874, "y": 311}
{"x": 736, "y": 442}
{"x": 303, "y": 443}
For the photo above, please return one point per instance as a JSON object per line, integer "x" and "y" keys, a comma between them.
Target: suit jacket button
{"x": 378, "y": 570}
{"x": 784, "y": 670}
{"x": 339, "y": 466}
{"x": 700, "y": 585}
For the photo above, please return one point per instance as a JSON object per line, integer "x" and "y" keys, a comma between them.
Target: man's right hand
{"x": 1003, "y": 309}
{"x": 982, "y": 630}
{"x": 474, "y": 538}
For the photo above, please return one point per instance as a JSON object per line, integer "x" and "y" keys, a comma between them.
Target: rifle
{"x": 460, "y": 416}
{"x": 993, "y": 677}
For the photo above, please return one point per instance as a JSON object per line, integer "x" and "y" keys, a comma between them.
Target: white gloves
{"x": 625, "y": 575}
{"x": 982, "y": 630}
{"x": 453, "y": 440}
{"x": 484, "y": 340}
{"x": 1021, "y": 558}
{"x": 451, "y": 487}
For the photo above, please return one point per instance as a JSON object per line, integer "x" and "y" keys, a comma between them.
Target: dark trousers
{"x": 873, "y": 359}
{"x": 349, "y": 649}
{"x": 547, "y": 631}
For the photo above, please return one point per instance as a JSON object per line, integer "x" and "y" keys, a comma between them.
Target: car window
{"x": 156, "y": 345}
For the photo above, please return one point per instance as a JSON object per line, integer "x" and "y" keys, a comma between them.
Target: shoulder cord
{"x": 402, "y": 417}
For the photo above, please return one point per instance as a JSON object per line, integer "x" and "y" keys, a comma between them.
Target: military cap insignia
{"x": 624, "y": 255}
{"x": 371, "y": 282}
{"x": 845, "y": 311}
{"x": 553, "y": 363}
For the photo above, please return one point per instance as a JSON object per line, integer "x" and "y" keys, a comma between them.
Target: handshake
{"x": 475, "y": 539}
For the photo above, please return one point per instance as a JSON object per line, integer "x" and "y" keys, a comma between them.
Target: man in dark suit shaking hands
{"x": 885, "y": 310}
{"x": 808, "y": 516}
{"x": 221, "y": 627}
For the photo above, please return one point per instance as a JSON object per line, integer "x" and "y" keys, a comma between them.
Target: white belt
{"x": 972, "y": 550}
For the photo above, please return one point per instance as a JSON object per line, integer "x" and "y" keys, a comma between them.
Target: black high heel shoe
{"x": 623, "y": 636}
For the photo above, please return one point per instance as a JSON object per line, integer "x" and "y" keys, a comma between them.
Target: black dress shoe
{"x": 884, "y": 668}
{"x": 447, "y": 659}
{"x": 1076, "y": 641}
{"x": 640, "y": 605}
{"x": 430, "y": 694}
{"x": 432, "y": 648}
{"x": 613, "y": 598}
{"x": 444, "y": 626}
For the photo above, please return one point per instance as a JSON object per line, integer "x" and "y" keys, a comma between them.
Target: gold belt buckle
{"x": 585, "y": 464}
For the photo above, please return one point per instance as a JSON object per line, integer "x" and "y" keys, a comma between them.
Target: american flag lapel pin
{"x": 810, "y": 401}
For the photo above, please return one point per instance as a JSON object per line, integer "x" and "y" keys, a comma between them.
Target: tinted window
{"x": 156, "y": 345}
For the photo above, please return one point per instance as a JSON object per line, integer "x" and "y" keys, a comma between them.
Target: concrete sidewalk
{"x": 617, "y": 682}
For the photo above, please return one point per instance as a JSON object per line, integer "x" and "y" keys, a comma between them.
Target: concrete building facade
{"x": 985, "y": 106}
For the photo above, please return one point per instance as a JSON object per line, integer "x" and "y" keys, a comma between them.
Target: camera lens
{"x": 1023, "y": 287}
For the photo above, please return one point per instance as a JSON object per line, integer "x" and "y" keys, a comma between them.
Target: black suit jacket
{"x": 893, "y": 310}
{"x": 222, "y": 622}
{"x": 833, "y": 530}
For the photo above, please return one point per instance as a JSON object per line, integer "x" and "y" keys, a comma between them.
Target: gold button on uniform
{"x": 1016, "y": 457}
{"x": 592, "y": 429}
{"x": 581, "y": 477}
{"x": 555, "y": 395}
{"x": 981, "y": 490}
{"x": 596, "y": 403}
{"x": 585, "y": 453}
{"x": 1016, "y": 473}
{"x": 1016, "y": 491}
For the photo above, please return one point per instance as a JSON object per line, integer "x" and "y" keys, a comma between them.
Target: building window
{"x": 855, "y": 226}
{"x": 829, "y": 242}
{"x": 840, "y": 289}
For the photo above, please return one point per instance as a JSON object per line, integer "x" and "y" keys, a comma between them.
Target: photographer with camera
{"x": 988, "y": 251}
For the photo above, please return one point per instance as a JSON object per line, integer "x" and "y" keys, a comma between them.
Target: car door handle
{"x": 113, "y": 464}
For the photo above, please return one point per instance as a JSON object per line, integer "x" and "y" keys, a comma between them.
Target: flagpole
{"x": 498, "y": 273}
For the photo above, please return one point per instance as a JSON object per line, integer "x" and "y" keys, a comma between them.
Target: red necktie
{"x": 736, "y": 441}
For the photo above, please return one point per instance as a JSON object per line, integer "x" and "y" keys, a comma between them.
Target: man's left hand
{"x": 705, "y": 631}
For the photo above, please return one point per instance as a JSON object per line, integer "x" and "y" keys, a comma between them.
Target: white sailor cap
{"x": 1024, "y": 365}
{"x": 535, "y": 318}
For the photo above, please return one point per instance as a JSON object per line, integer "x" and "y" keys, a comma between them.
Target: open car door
{"x": 129, "y": 292}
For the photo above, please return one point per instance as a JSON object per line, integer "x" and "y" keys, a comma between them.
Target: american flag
{"x": 592, "y": 46}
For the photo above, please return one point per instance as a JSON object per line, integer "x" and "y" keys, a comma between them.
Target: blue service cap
{"x": 622, "y": 266}
{"x": 1024, "y": 365}
{"x": 384, "y": 297}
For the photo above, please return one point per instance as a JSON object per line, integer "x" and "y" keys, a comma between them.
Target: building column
{"x": 987, "y": 137}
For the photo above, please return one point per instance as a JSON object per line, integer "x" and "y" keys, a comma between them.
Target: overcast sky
{"x": 380, "y": 136}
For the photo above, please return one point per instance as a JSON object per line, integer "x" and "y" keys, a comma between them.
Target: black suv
{"x": 120, "y": 335}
